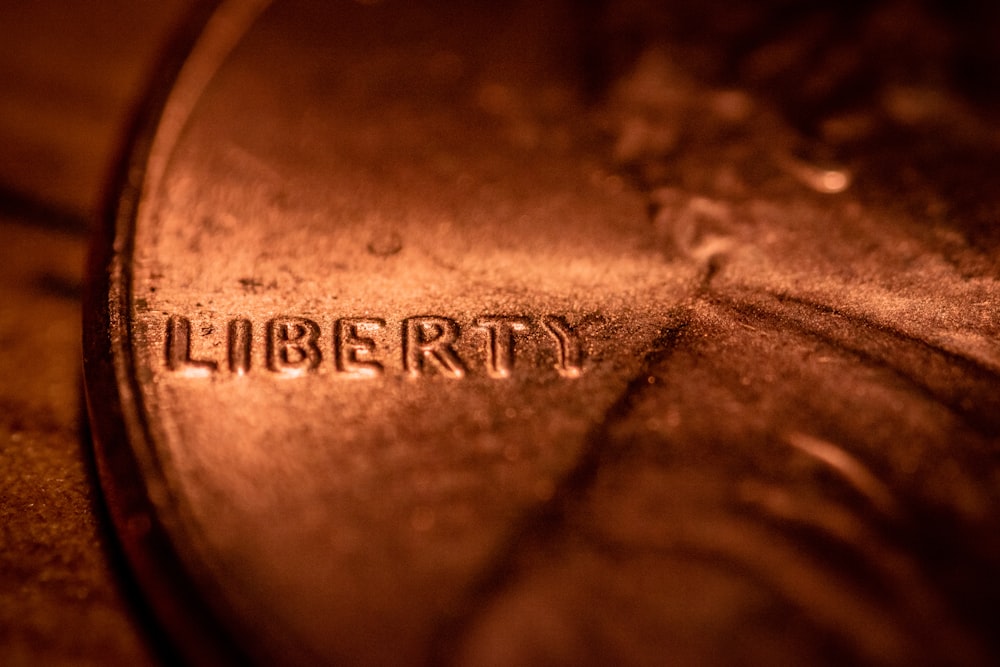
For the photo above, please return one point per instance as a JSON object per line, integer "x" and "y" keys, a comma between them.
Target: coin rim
{"x": 131, "y": 482}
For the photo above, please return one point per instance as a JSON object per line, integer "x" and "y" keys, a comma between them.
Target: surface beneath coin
{"x": 424, "y": 355}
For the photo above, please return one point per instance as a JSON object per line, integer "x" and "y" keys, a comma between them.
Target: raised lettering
{"x": 179, "y": 349}
{"x": 569, "y": 363}
{"x": 291, "y": 345}
{"x": 354, "y": 352}
{"x": 430, "y": 345}
{"x": 427, "y": 341}
{"x": 500, "y": 343}
{"x": 240, "y": 332}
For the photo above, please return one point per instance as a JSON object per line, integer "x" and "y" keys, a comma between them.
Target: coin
{"x": 404, "y": 349}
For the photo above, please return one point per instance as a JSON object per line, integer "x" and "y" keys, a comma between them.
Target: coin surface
{"x": 405, "y": 349}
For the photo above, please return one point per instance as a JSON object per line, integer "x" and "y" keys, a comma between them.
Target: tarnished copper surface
{"x": 519, "y": 334}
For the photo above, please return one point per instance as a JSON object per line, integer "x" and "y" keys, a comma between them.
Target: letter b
{"x": 291, "y": 345}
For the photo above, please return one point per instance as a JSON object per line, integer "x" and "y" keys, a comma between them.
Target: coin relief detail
{"x": 426, "y": 345}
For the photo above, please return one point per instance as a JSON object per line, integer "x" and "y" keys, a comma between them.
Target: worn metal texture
{"x": 524, "y": 334}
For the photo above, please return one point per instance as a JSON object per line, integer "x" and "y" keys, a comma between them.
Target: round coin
{"x": 403, "y": 348}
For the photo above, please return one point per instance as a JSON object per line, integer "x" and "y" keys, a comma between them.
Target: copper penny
{"x": 403, "y": 349}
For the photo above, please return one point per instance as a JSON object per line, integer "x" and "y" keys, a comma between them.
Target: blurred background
{"x": 71, "y": 74}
